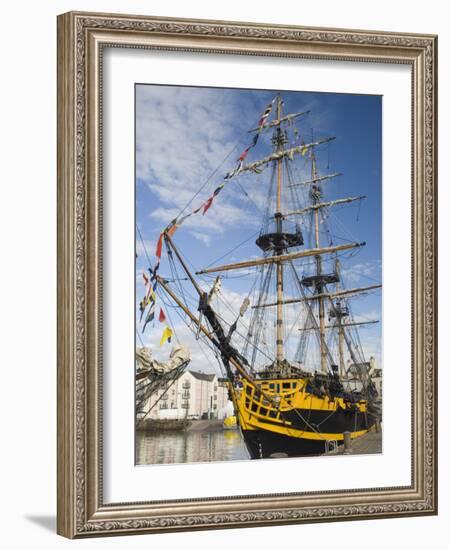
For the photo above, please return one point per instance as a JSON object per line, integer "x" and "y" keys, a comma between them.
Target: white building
{"x": 376, "y": 378}
{"x": 369, "y": 368}
{"x": 193, "y": 395}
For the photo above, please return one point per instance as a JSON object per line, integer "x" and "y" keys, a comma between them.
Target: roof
{"x": 202, "y": 375}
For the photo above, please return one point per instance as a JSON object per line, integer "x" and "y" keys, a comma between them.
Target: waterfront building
{"x": 194, "y": 395}
{"x": 353, "y": 382}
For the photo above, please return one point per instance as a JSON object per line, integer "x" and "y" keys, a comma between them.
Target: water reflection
{"x": 189, "y": 446}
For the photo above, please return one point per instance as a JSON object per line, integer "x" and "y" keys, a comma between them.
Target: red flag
{"x": 162, "y": 316}
{"x": 172, "y": 229}
{"x": 207, "y": 204}
{"x": 159, "y": 246}
{"x": 243, "y": 155}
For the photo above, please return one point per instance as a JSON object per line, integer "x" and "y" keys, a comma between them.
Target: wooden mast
{"x": 341, "y": 336}
{"x": 316, "y": 180}
{"x": 323, "y": 355}
{"x": 279, "y": 265}
{"x": 323, "y": 205}
{"x": 357, "y": 324}
{"x": 281, "y": 258}
{"x": 279, "y": 121}
{"x": 330, "y": 295}
{"x": 281, "y": 153}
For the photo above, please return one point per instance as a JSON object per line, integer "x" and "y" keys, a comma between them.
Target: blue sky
{"x": 188, "y": 137}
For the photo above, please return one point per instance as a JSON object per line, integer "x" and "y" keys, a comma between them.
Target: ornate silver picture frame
{"x": 83, "y": 39}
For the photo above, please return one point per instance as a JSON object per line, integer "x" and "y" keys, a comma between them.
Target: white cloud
{"x": 143, "y": 246}
{"x": 363, "y": 271}
{"x": 186, "y": 138}
{"x": 202, "y": 237}
{"x": 217, "y": 220}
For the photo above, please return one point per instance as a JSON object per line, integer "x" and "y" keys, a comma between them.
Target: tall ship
{"x": 290, "y": 346}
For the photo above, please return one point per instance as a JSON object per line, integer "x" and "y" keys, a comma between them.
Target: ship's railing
{"x": 279, "y": 399}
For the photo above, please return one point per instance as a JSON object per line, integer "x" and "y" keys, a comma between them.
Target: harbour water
{"x": 180, "y": 447}
{"x": 207, "y": 441}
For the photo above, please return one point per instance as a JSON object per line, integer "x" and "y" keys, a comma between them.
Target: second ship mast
{"x": 276, "y": 247}
{"x": 279, "y": 139}
{"x": 316, "y": 194}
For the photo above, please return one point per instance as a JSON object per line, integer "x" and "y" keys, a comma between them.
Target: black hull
{"x": 323, "y": 421}
{"x": 263, "y": 443}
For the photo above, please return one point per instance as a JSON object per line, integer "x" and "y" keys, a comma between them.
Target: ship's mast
{"x": 279, "y": 243}
{"x": 316, "y": 196}
{"x": 341, "y": 336}
{"x": 278, "y": 140}
{"x": 276, "y": 245}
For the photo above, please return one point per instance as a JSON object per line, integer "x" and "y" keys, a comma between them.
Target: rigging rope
{"x": 233, "y": 249}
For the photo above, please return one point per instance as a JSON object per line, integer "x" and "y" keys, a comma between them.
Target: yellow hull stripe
{"x": 254, "y": 409}
{"x": 253, "y": 424}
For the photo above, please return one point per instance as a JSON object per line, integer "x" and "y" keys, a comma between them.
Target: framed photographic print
{"x": 247, "y": 274}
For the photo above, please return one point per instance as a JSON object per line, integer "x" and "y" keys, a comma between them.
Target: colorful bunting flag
{"x": 166, "y": 336}
{"x": 142, "y": 306}
{"x": 207, "y": 204}
{"x": 234, "y": 172}
{"x": 162, "y": 317}
{"x": 151, "y": 296}
{"x": 150, "y": 315}
{"x": 218, "y": 189}
{"x": 159, "y": 246}
{"x": 266, "y": 114}
{"x": 245, "y": 152}
{"x": 148, "y": 299}
{"x": 154, "y": 271}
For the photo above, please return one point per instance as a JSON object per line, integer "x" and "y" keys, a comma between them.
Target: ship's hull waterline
{"x": 265, "y": 444}
{"x": 270, "y": 444}
{"x": 289, "y": 430}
